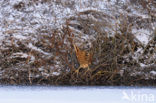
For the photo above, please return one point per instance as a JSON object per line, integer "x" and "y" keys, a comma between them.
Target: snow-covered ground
{"x": 34, "y": 94}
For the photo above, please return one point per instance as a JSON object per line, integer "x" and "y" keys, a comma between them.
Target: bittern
{"x": 84, "y": 58}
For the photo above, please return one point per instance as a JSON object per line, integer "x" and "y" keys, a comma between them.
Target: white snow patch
{"x": 20, "y": 36}
{"x": 142, "y": 35}
{"x": 1, "y": 36}
{"x": 41, "y": 69}
{"x": 30, "y": 45}
{"x": 15, "y": 1}
{"x": 139, "y": 14}
{"x": 19, "y": 54}
{"x": 56, "y": 73}
{"x": 143, "y": 65}
{"x": 77, "y": 94}
{"x": 153, "y": 72}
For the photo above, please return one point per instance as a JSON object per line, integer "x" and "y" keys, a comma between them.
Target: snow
{"x": 140, "y": 14}
{"x": 19, "y": 54}
{"x": 20, "y": 37}
{"x": 143, "y": 65}
{"x": 142, "y": 35}
{"x": 13, "y": 94}
{"x": 55, "y": 73}
{"x": 153, "y": 72}
{"x": 30, "y": 45}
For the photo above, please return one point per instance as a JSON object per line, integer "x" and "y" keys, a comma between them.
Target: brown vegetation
{"x": 113, "y": 53}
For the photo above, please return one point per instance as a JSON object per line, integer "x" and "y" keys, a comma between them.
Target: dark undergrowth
{"x": 116, "y": 56}
{"x": 113, "y": 62}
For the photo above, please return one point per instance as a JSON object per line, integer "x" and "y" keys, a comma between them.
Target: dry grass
{"x": 113, "y": 59}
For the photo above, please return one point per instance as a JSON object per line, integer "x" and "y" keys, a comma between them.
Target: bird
{"x": 84, "y": 58}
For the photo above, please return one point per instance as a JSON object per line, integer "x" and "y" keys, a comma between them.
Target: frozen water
{"x": 13, "y": 94}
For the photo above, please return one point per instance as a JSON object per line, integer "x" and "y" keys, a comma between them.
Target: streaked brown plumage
{"x": 84, "y": 58}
